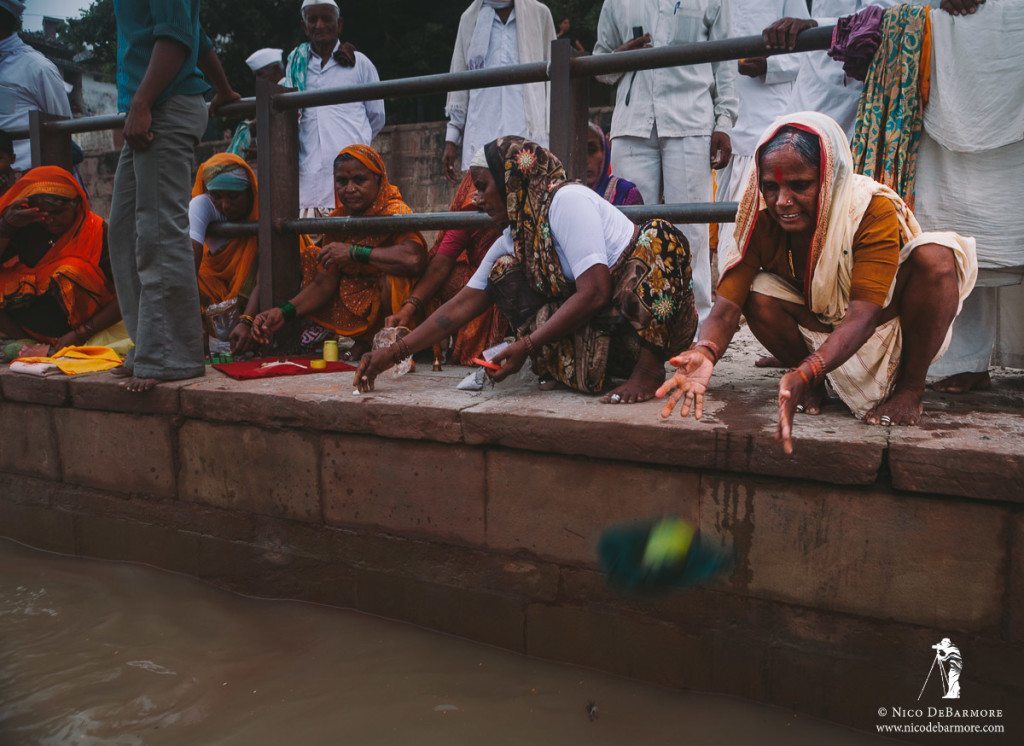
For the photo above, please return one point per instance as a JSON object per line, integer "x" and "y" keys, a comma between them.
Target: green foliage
{"x": 403, "y": 38}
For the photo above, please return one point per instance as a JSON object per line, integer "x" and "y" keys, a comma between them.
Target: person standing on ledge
{"x": 493, "y": 33}
{"x": 28, "y": 81}
{"x": 160, "y": 52}
{"x": 324, "y": 131}
{"x": 671, "y": 126}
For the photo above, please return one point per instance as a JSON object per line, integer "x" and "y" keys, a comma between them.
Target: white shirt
{"x": 493, "y": 112}
{"x": 683, "y": 101}
{"x": 762, "y": 99}
{"x": 28, "y": 82}
{"x": 324, "y": 131}
{"x": 202, "y": 212}
{"x": 821, "y": 85}
{"x": 586, "y": 230}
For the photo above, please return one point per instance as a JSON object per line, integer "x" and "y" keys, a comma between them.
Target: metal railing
{"x": 276, "y": 112}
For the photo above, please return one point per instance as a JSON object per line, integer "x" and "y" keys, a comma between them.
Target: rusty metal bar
{"x": 691, "y": 212}
{"x": 696, "y": 53}
{"x": 277, "y": 168}
{"x": 49, "y": 148}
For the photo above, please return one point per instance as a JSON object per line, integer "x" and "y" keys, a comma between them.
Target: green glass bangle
{"x": 362, "y": 253}
{"x": 287, "y": 310}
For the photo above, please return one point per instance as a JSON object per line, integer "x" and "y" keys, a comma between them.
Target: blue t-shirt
{"x": 139, "y": 24}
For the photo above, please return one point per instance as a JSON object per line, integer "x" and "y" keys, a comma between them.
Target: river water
{"x": 98, "y": 652}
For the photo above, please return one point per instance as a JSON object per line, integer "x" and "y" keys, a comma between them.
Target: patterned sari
{"x": 490, "y": 327}
{"x": 652, "y": 305}
{"x": 365, "y": 294}
{"x": 618, "y": 192}
{"x": 69, "y": 272}
{"x": 890, "y": 116}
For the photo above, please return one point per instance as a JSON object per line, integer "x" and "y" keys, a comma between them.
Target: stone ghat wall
{"x": 478, "y": 513}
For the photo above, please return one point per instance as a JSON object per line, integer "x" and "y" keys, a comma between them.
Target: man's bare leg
{"x": 926, "y": 301}
{"x": 775, "y": 323}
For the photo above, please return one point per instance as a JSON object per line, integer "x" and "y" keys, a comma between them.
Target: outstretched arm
{"x": 467, "y": 304}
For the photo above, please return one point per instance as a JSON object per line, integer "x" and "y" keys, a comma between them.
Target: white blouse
{"x": 586, "y": 230}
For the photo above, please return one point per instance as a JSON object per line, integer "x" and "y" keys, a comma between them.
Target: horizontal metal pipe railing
{"x": 691, "y": 212}
{"x": 532, "y": 72}
{"x": 244, "y": 107}
{"x": 695, "y": 53}
{"x": 529, "y": 72}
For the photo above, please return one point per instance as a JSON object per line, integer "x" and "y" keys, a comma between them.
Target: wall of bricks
{"x": 837, "y": 593}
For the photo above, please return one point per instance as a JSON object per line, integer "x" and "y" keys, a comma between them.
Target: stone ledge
{"x": 967, "y": 446}
{"x": 960, "y": 451}
{"x": 52, "y": 391}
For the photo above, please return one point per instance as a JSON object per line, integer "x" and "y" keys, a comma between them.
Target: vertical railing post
{"x": 48, "y": 148}
{"x": 277, "y": 171}
{"x": 569, "y": 109}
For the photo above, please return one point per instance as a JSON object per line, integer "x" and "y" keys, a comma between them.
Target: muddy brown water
{"x": 98, "y": 652}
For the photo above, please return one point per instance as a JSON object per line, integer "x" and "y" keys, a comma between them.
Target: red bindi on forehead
{"x": 777, "y": 173}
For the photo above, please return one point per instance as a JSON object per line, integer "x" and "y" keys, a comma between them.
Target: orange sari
{"x": 224, "y": 275}
{"x": 72, "y": 264}
{"x": 365, "y": 294}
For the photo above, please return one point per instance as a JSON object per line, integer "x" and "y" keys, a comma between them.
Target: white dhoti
{"x": 977, "y": 194}
{"x": 669, "y": 170}
{"x": 731, "y": 181}
{"x": 866, "y": 379}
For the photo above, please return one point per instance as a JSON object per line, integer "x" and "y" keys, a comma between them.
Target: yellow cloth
{"x": 75, "y": 360}
{"x": 116, "y": 338}
{"x": 866, "y": 378}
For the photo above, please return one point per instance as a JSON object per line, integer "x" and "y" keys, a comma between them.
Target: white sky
{"x": 36, "y": 9}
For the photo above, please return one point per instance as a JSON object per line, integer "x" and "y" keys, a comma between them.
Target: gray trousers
{"x": 150, "y": 251}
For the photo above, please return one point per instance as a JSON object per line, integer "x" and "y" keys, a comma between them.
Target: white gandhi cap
{"x": 307, "y": 3}
{"x": 263, "y": 57}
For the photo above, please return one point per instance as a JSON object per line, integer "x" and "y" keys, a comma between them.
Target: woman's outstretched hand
{"x": 689, "y": 383}
{"x": 511, "y": 360}
{"x": 371, "y": 365}
{"x": 792, "y": 389}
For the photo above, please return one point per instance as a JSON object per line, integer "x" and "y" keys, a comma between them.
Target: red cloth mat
{"x": 249, "y": 369}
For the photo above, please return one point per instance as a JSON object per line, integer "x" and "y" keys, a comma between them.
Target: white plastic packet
{"x": 474, "y": 381}
{"x": 387, "y": 337}
{"x": 221, "y": 319}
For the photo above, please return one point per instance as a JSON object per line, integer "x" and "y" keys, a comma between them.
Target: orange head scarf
{"x": 360, "y": 300}
{"x": 223, "y": 275}
{"x": 72, "y": 263}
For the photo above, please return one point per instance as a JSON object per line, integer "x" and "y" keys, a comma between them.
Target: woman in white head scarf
{"x": 830, "y": 269}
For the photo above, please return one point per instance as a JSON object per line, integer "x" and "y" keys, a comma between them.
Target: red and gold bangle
{"x": 817, "y": 364}
{"x": 530, "y": 348}
{"x": 413, "y": 301}
{"x": 800, "y": 372}
{"x": 711, "y": 347}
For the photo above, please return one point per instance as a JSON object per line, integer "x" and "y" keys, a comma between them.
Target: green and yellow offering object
{"x": 658, "y": 555}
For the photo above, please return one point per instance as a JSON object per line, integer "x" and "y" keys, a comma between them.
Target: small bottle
{"x": 331, "y": 350}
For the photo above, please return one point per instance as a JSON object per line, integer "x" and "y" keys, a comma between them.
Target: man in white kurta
{"x": 765, "y": 89}
{"x": 671, "y": 126}
{"x": 970, "y": 172}
{"x": 324, "y": 131}
{"x": 28, "y": 82}
{"x": 821, "y": 85}
{"x": 495, "y": 33}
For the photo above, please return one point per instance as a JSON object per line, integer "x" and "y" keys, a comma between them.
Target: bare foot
{"x": 547, "y": 384}
{"x": 903, "y": 407}
{"x": 122, "y": 371}
{"x": 768, "y": 361}
{"x": 139, "y": 385}
{"x": 961, "y": 383}
{"x": 640, "y": 387}
{"x": 814, "y": 400}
